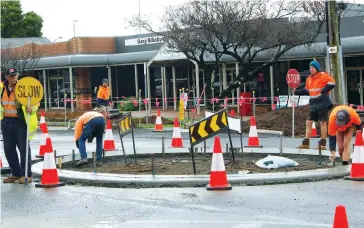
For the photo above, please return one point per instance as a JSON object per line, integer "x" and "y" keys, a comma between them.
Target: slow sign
{"x": 293, "y": 78}
{"x": 29, "y": 87}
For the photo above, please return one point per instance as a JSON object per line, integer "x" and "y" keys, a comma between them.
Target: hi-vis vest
{"x": 316, "y": 83}
{"x": 8, "y": 108}
{"x": 103, "y": 93}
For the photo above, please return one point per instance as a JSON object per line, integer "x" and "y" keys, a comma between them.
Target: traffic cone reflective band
{"x": 45, "y": 142}
{"x": 109, "y": 143}
{"x": 176, "y": 137}
{"x": 357, "y": 164}
{"x": 253, "y": 140}
{"x": 42, "y": 122}
{"x": 49, "y": 177}
{"x": 314, "y": 131}
{"x": 340, "y": 220}
{"x": 218, "y": 177}
{"x": 158, "y": 122}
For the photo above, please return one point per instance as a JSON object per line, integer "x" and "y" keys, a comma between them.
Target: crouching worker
{"x": 343, "y": 122}
{"x": 89, "y": 125}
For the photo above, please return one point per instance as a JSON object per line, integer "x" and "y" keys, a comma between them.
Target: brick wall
{"x": 83, "y": 81}
{"x": 78, "y": 45}
{"x": 98, "y": 45}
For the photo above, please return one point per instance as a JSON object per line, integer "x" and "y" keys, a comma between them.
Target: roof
{"x": 350, "y": 45}
{"x": 17, "y": 42}
{"x": 95, "y": 59}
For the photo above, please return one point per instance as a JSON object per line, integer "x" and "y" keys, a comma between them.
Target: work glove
{"x": 77, "y": 145}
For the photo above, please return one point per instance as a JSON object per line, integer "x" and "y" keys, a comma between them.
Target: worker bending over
{"x": 89, "y": 125}
{"x": 343, "y": 122}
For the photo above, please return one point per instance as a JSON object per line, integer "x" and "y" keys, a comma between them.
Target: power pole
{"x": 334, "y": 52}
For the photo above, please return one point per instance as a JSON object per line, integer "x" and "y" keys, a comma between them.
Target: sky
{"x": 94, "y": 17}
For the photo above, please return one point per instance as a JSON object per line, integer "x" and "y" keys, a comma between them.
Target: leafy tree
{"x": 15, "y": 24}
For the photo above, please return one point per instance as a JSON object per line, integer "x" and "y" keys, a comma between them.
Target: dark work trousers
{"x": 14, "y": 132}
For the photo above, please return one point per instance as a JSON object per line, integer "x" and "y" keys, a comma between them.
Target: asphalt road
{"x": 283, "y": 206}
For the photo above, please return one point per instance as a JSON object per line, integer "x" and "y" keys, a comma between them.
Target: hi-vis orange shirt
{"x": 354, "y": 119}
{"x": 316, "y": 83}
{"x": 103, "y": 93}
{"x": 84, "y": 119}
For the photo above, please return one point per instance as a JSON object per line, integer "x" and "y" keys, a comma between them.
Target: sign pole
{"x": 132, "y": 135}
{"x": 241, "y": 136}
{"x": 122, "y": 146}
{"x": 193, "y": 160}
{"x": 293, "y": 79}
{"x": 27, "y": 145}
{"x": 293, "y": 106}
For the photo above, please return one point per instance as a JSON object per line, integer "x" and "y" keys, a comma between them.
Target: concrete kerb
{"x": 150, "y": 181}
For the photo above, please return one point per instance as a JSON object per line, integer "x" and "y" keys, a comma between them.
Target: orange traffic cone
{"x": 357, "y": 166}
{"x": 218, "y": 177}
{"x": 314, "y": 131}
{"x": 42, "y": 122}
{"x": 176, "y": 137}
{"x": 49, "y": 177}
{"x": 253, "y": 140}
{"x": 45, "y": 142}
{"x": 340, "y": 220}
{"x": 158, "y": 122}
{"x": 4, "y": 170}
{"x": 109, "y": 143}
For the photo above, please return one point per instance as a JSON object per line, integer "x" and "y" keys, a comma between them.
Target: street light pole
{"x": 74, "y": 28}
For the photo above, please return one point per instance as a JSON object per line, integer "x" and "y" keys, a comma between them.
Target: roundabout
{"x": 145, "y": 176}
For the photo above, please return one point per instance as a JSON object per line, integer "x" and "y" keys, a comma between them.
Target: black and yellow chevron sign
{"x": 125, "y": 125}
{"x": 208, "y": 127}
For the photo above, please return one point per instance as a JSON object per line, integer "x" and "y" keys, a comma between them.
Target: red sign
{"x": 293, "y": 78}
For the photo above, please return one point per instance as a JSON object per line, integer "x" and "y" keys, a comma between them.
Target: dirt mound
{"x": 281, "y": 120}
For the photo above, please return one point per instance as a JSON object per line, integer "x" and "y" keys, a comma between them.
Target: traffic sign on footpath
{"x": 293, "y": 79}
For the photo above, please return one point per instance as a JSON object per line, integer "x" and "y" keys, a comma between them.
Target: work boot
{"x": 323, "y": 144}
{"x": 10, "y": 179}
{"x": 305, "y": 144}
{"x": 22, "y": 180}
{"x": 81, "y": 162}
{"x": 98, "y": 163}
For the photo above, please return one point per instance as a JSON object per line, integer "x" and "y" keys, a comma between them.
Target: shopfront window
{"x": 59, "y": 87}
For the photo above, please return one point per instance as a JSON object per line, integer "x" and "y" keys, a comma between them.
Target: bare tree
{"x": 243, "y": 29}
{"x": 24, "y": 58}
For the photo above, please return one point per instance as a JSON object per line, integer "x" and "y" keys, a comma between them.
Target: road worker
{"x": 14, "y": 128}
{"x": 343, "y": 122}
{"x": 88, "y": 126}
{"x": 103, "y": 95}
{"x": 318, "y": 87}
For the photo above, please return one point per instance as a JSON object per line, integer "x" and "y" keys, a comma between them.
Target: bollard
{"x": 73, "y": 156}
{"x": 227, "y": 148}
{"x": 163, "y": 147}
{"x": 60, "y": 162}
{"x": 103, "y": 153}
{"x": 153, "y": 171}
{"x": 320, "y": 154}
{"x": 94, "y": 160}
{"x": 204, "y": 147}
{"x": 281, "y": 145}
{"x": 55, "y": 157}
